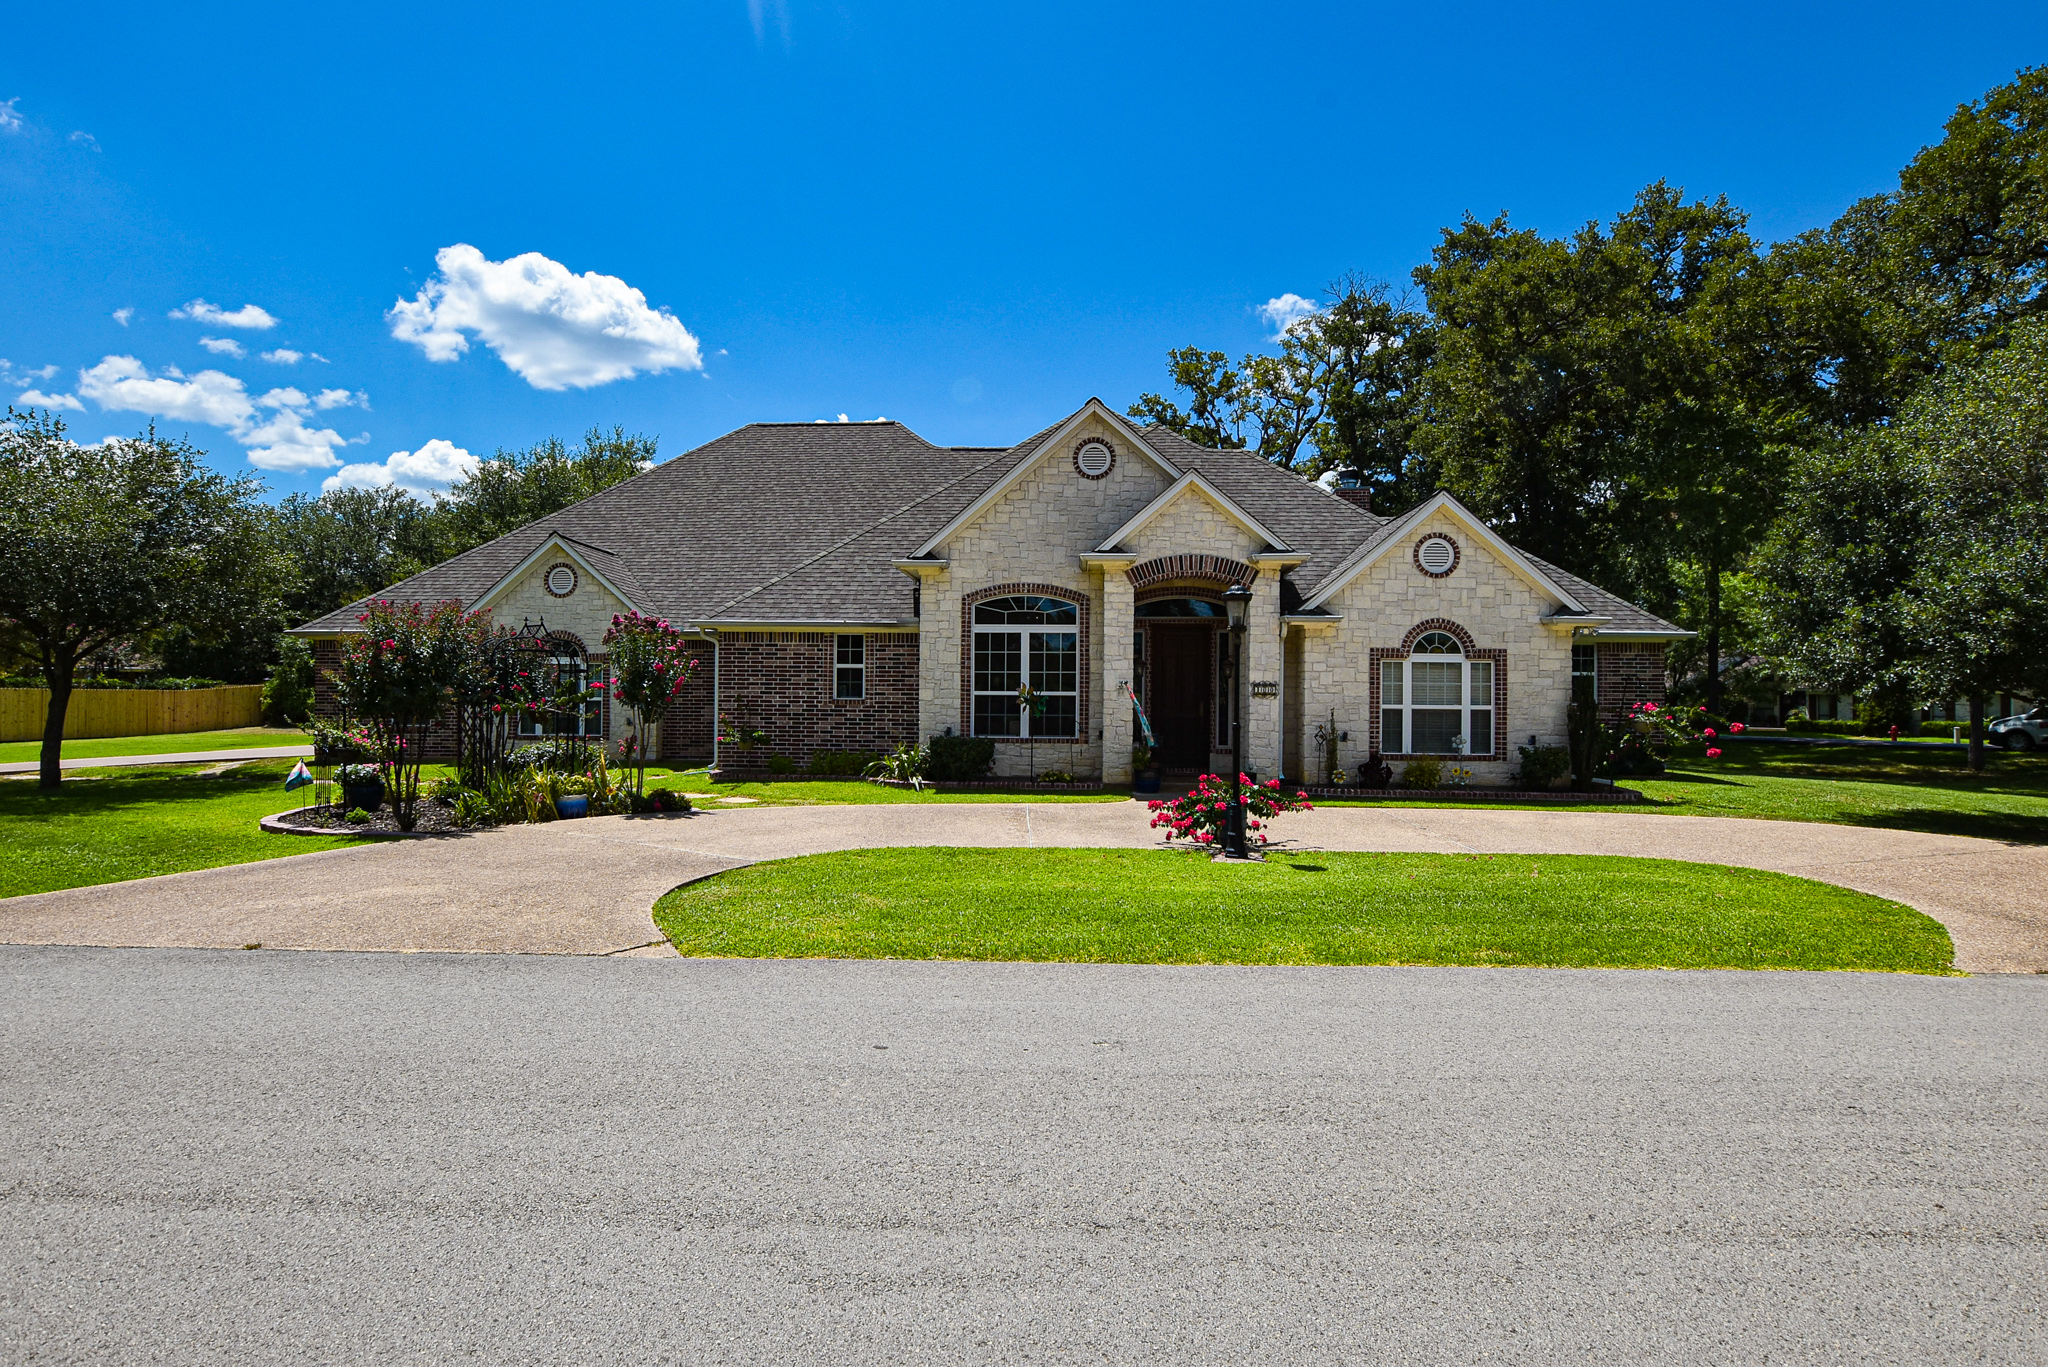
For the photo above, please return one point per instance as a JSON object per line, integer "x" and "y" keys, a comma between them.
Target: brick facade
{"x": 1629, "y": 672}
{"x": 781, "y": 682}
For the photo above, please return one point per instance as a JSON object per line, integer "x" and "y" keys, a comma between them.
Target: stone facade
{"x": 1494, "y": 607}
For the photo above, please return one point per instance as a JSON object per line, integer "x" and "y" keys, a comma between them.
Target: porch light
{"x": 1236, "y": 599}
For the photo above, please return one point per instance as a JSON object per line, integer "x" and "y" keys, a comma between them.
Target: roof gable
{"x": 1045, "y": 444}
{"x": 1393, "y": 532}
{"x": 1193, "y": 483}
{"x": 592, "y": 560}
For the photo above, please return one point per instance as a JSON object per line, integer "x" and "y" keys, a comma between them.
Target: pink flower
{"x": 1708, "y": 732}
{"x": 1205, "y": 837}
{"x": 1736, "y": 728}
{"x": 1712, "y": 753}
{"x": 390, "y": 645}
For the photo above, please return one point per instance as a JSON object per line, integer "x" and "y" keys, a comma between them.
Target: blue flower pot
{"x": 572, "y": 806}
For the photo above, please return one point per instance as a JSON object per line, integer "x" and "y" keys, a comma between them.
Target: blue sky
{"x": 966, "y": 217}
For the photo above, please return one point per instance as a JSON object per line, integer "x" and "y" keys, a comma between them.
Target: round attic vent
{"x": 560, "y": 580}
{"x": 1093, "y": 458}
{"x": 1436, "y": 556}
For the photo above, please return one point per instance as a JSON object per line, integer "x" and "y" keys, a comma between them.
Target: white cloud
{"x": 277, "y": 440}
{"x": 81, "y": 136}
{"x": 223, "y": 346}
{"x": 340, "y": 398}
{"x": 122, "y": 316}
{"x": 10, "y": 373}
{"x": 284, "y": 356}
{"x": 32, "y": 398}
{"x": 422, "y": 473}
{"x": 10, "y": 117}
{"x": 247, "y": 316}
{"x": 1282, "y": 312}
{"x": 553, "y": 329}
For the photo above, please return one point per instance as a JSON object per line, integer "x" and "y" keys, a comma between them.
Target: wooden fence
{"x": 132, "y": 711}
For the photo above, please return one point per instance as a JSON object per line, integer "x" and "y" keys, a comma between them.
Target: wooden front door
{"x": 1182, "y": 681}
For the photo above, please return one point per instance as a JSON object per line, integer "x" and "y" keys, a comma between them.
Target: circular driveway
{"x": 588, "y": 887}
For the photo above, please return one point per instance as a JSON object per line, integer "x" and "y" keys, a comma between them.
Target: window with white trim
{"x": 1436, "y": 702}
{"x": 849, "y": 666}
{"x": 1027, "y": 639}
{"x": 1586, "y": 665}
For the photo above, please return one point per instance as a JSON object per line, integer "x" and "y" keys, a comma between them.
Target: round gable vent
{"x": 1093, "y": 458}
{"x": 560, "y": 579}
{"x": 1436, "y": 556}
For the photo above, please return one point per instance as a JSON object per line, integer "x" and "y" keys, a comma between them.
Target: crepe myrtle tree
{"x": 648, "y": 666}
{"x": 397, "y": 677}
{"x": 112, "y": 542}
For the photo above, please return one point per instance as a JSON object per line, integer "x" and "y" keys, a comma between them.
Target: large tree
{"x": 1914, "y": 554}
{"x": 116, "y": 541}
{"x": 514, "y": 488}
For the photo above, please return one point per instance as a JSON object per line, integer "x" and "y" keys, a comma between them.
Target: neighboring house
{"x": 853, "y": 586}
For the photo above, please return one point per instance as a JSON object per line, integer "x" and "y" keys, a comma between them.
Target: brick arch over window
{"x": 1207, "y": 569}
{"x": 1443, "y": 624}
{"x": 1066, "y": 595}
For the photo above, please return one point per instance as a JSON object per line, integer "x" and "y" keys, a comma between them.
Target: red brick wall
{"x": 1630, "y": 673}
{"x": 781, "y": 682}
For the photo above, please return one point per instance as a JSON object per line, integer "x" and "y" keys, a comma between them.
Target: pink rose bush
{"x": 1200, "y": 816}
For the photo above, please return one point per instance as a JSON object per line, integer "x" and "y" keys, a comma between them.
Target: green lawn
{"x": 242, "y": 738}
{"x": 1911, "y": 790}
{"x": 109, "y": 824}
{"x": 1174, "y": 906}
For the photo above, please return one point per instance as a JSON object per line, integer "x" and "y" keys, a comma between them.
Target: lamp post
{"x": 1236, "y": 599}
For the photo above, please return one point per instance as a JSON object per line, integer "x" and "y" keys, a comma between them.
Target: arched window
{"x": 1027, "y": 639}
{"x": 1436, "y": 702}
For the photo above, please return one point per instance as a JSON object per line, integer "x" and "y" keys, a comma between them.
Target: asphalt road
{"x": 266, "y": 1157}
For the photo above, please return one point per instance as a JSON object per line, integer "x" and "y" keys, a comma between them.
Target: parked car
{"x": 2023, "y": 732}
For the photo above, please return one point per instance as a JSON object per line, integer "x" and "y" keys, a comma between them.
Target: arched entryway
{"x": 1179, "y": 635}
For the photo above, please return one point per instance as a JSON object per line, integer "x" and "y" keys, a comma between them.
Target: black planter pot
{"x": 368, "y": 796}
{"x": 1145, "y": 781}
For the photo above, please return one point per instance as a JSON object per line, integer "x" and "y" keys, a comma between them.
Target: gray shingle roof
{"x": 798, "y": 522}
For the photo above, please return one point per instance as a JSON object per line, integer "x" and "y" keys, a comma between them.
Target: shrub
{"x": 446, "y": 791}
{"x": 1200, "y": 815}
{"x": 1055, "y": 776}
{"x": 288, "y": 695}
{"x": 781, "y": 764}
{"x": 904, "y": 764}
{"x": 357, "y": 817}
{"x": 1422, "y": 773}
{"x": 661, "y": 800}
{"x": 1543, "y": 766}
{"x": 960, "y": 759}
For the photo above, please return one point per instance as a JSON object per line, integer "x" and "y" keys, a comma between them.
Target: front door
{"x": 1182, "y": 684}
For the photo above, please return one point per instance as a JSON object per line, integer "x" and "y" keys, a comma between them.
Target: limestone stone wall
{"x": 1494, "y": 603}
{"x": 1034, "y": 534}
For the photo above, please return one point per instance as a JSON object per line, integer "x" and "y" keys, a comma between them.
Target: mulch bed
{"x": 1601, "y": 795}
{"x": 433, "y": 819}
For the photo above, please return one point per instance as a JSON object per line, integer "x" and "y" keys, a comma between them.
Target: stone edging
{"x": 995, "y": 785}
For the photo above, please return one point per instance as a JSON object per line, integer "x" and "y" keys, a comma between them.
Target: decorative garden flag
{"x": 299, "y": 777}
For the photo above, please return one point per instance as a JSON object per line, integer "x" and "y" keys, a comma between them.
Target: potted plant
{"x": 574, "y": 799}
{"x": 362, "y": 786}
{"x": 1144, "y": 773}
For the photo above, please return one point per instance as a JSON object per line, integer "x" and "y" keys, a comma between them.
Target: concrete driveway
{"x": 587, "y": 887}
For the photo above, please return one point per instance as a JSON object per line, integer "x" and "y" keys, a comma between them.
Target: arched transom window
{"x": 1436, "y": 702}
{"x": 1027, "y": 639}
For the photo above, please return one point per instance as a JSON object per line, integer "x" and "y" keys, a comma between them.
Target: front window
{"x": 1436, "y": 702}
{"x": 850, "y": 667}
{"x": 1020, "y": 641}
{"x": 1586, "y": 665}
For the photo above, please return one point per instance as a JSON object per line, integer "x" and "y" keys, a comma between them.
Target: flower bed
{"x": 983, "y": 785}
{"x": 330, "y": 819}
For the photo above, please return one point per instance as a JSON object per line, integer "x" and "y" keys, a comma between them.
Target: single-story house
{"x": 852, "y": 587}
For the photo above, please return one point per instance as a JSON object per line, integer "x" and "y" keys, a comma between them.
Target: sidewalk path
{"x": 182, "y": 757}
{"x": 588, "y": 887}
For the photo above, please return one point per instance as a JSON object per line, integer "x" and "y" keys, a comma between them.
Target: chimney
{"x": 1351, "y": 487}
